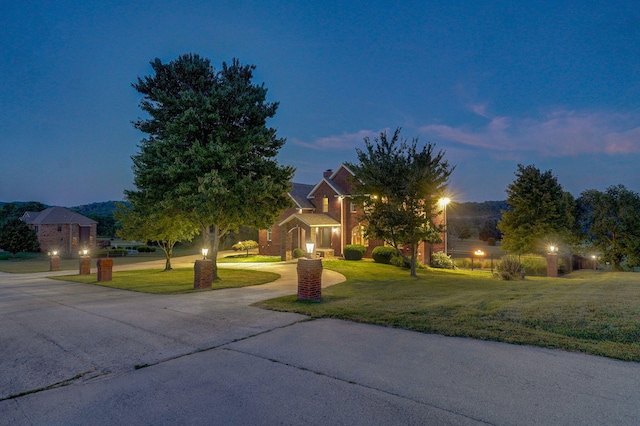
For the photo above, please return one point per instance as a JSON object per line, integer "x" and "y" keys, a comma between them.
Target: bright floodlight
{"x": 479, "y": 253}
{"x": 444, "y": 201}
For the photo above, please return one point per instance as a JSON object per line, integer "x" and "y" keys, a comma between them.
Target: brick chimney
{"x": 327, "y": 173}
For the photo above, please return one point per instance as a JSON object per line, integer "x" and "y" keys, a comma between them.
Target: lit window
{"x": 357, "y": 236}
{"x": 354, "y": 207}
{"x": 268, "y": 234}
{"x": 325, "y": 205}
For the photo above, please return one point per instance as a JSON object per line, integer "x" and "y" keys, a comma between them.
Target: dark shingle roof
{"x": 56, "y": 216}
{"x": 299, "y": 194}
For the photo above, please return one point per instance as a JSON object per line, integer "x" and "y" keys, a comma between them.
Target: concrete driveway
{"x": 82, "y": 354}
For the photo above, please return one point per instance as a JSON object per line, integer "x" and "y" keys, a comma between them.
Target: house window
{"x": 357, "y": 236}
{"x": 36, "y": 228}
{"x": 354, "y": 207}
{"x": 325, "y": 205}
{"x": 59, "y": 228}
{"x": 268, "y": 234}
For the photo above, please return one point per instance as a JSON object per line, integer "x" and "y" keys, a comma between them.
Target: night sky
{"x": 551, "y": 83}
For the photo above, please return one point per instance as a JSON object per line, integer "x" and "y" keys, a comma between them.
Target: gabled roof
{"x": 320, "y": 220}
{"x": 329, "y": 182}
{"x": 56, "y": 216}
{"x": 342, "y": 166}
{"x": 299, "y": 194}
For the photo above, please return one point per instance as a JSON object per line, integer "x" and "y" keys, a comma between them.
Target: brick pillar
{"x": 85, "y": 265}
{"x": 552, "y": 265}
{"x": 203, "y": 274}
{"x": 54, "y": 263}
{"x": 309, "y": 279}
{"x": 105, "y": 268}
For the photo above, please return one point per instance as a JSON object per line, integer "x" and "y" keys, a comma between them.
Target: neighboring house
{"x": 63, "y": 230}
{"x": 325, "y": 215}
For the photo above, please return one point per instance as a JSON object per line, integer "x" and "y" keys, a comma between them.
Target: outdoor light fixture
{"x": 553, "y": 249}
{"x": 54, "y": 253}
{"x": 310, "y": 247}
{"x": 205, "y": 252}
{"x": 479, "y": 253}
{"x": 85, "y": 252}
{"x": 443, "y": 202}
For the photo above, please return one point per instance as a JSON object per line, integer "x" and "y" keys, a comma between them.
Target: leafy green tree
{"x": 10, "y": 211}
{"x": 612, "y": 223}
{"x": 539, "y": 212}
{"x": 245, "y": 246}
{"x": 163, "y": 229}
{"x": 16, "y": 237}
{"x": 398, "y": 186}
{"x": 209, "y": 154}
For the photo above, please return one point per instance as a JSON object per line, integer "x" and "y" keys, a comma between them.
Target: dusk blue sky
{"x": 552, "y": 83}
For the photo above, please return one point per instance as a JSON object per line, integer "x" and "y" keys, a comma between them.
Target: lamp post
{"x": 479, "y": 253}
{"x": 443, "y": 202}
{"x": 84, "y": 265}
{"x": 310, "y": 247}
{"x": 552, "y": 261}
{"x": 593, "y": 256}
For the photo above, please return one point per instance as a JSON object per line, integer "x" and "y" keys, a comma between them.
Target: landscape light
{"x": 479, "y": 253}
{"x": 553, "y": 249}
{"x": 310, "y": 247}
{"x": 85, "y": 252}
{"x": 205, "y": 252}
{"x": 55, "y": 253}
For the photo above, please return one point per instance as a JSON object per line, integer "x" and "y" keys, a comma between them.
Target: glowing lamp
{"x": 205, "y": 252}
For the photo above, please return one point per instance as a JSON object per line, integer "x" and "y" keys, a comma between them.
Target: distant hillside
{"x": 471, "y": 210}
{"x": 104, "y": 208}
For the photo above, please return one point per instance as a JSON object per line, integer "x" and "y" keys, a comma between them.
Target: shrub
{"x": 145, "y": 249}
{"x": 510, "y": 268}
{"x": 397, "y": 260}
{"x": 441, "y": 260}
{"x": 354, "y": 251}
{"x": 110, "y": 253}
{"x": 535, "y": 265}
{"x": 383, "y": 254}
{"x": 297, "y": 253}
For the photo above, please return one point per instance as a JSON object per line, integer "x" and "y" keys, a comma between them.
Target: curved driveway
{"x": 82, "y": 354}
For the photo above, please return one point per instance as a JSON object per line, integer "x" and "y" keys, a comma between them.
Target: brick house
{"x": 322, "y": 214}
{"x": 63, "y": 230}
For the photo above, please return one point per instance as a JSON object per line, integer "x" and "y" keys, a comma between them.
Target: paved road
{"x": 81, "y": 354}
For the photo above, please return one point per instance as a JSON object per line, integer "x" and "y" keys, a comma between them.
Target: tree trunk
{"x": 413, "y": 259}
{"x": 168, "y": 253}
{"x": 213, "y": 248}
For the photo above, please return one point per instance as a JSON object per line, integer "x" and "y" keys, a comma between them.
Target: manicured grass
{"x": 241, "y": 258}
{"x": 177, "y": 281}
{"x": 39, "y": 262}
{"x": 587, "y": 311}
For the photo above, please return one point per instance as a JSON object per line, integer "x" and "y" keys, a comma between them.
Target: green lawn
{"x": 177, "y": 281}
{"x": 242, "y": 258}
{"x": 39, "y": 262}
{"x": 587, "y": 311}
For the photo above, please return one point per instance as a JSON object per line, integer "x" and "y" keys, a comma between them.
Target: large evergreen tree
{"x": 209, "y": 154}
{"x": 398, "y": 186}
{"x": 539, "y": 212}
{"x": 612, "y": 223}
